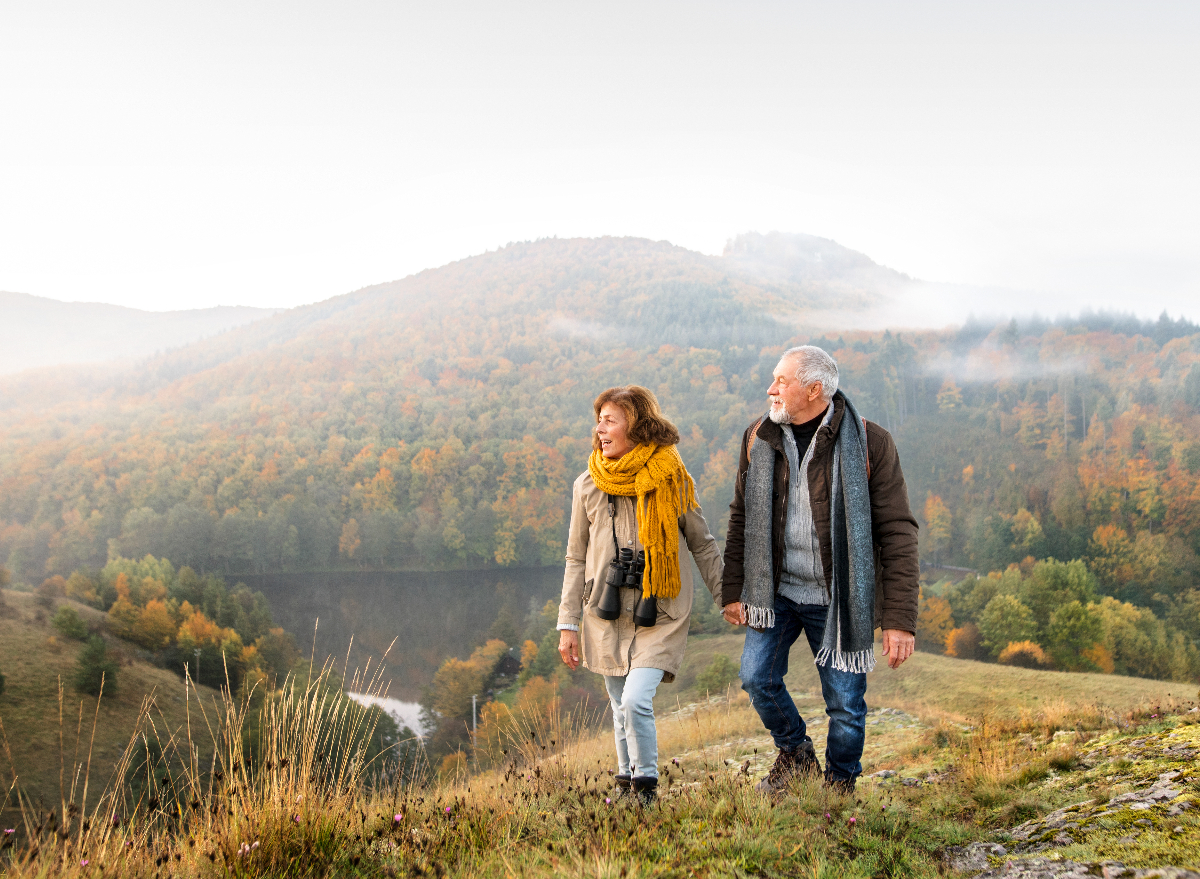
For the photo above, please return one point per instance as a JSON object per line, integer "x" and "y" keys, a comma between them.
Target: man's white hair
{"x": 814, "y": 364}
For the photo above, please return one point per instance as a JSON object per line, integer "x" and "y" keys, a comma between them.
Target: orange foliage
{"x": 1025, "y": 654}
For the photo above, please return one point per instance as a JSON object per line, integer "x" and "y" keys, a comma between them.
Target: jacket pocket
{"x": 673, "y": 608}
{"x": 587, "y": 591}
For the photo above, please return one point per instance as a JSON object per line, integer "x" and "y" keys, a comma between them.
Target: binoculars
{"x": 625, "y": 572}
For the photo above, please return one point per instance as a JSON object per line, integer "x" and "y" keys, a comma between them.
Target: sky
{"x": 182, "y": 155}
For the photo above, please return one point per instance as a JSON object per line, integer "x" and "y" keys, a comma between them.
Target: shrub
{"x": 69, "y": 624}
{"x": 964, "y": 642}
{"x": 51, "y": 588}
{"x": 96, "y": 669}
{"x": 721, "y": 672}
{"x": 1024, "y": 654}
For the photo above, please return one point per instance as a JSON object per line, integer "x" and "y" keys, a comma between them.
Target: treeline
{"x": 1050, "y": 614}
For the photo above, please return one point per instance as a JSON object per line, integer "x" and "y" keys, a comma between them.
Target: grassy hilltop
{"x": 46, "y": 737}
{"x": 968, "y": 766}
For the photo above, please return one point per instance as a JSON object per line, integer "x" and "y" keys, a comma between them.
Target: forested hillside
{"x": 438, "y": 422}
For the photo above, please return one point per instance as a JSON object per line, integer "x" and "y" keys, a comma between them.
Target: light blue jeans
{"x": 632, "y": 700}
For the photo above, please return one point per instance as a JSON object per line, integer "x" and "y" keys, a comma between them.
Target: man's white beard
{"x": 779, "y": 415}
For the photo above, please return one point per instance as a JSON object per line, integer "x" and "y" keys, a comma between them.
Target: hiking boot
{"x": 800, "y": 762}
{"x": 839, "y": 785}
{"x": 645, "y": 788}
{"x": 621, "y": 791}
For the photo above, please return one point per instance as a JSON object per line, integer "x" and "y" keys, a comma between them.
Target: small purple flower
{"x": 447, "y": 810}
{"x": 10, "y": 830}
{"x": 607, "y": 801}
{"x": 398, "y": 818}
{"x": 295, "y": 819}
{"x": 84, "y": 862}
{"x": 853, "y": 821}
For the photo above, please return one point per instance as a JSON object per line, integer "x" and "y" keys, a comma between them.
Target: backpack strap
{"x": 867, "y": 446}
{"x": 753, "y": 435}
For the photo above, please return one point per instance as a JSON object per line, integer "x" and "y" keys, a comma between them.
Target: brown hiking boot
{"x": 799, "y": 763}
{"x": 843, "y": 786}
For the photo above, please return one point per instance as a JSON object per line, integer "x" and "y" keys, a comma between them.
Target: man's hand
{"x": 568, "y": 648}
{"x": 897, "y": 646}
{"x": 734, "y": 613}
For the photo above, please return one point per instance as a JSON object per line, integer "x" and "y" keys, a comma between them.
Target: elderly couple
{"x": 821, "y": 541}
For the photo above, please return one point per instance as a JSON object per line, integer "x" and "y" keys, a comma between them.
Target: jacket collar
{"x": 772, "y": 433}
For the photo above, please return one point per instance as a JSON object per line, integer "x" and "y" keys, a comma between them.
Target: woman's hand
{"x": 568, "y": 648}
{"x": 734, "y": 613}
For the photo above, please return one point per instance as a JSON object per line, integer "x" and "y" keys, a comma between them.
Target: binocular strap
{"x": 612, "y": 517}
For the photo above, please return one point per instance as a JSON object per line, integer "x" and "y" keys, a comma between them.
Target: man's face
{"x": 791, "y": 401}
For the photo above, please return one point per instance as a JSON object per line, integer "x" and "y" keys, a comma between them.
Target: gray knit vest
{"x": 803, "y": 576}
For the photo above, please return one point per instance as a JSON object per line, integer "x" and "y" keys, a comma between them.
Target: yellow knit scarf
{"x": 655, "y": 475}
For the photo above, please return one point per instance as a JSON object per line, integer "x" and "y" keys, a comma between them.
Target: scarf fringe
{"x": 760, "y": 617}
{"x": 858, "y": 662}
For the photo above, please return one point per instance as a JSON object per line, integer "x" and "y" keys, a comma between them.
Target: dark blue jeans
{"x": 764, "y": 664}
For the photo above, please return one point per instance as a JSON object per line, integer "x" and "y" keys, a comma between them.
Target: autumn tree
{"x": 934, "y": 623}
{"x": 1004, "y": 621}
{"x": 937, "y": 526}
{"x": 1074, "y": 629}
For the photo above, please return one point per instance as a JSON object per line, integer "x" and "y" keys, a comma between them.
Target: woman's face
{"x": 611, "y": 429}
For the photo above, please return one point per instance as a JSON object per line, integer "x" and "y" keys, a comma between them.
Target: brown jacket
{"x": 892, "y": 523}
{"x": 612, "y": 647}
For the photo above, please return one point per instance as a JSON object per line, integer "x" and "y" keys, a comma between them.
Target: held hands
{"x": 734, "y": 613}
{"x": 568, "y": 648}
{"x": 897, "y": 646}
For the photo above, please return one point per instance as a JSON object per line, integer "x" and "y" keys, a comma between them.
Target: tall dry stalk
{"x": 282, "y": 762}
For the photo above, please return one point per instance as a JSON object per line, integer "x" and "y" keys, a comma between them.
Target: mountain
{"x": 810, "y": 262}
{"x": 39, "y": 332}
{"x": 436, "y": 422}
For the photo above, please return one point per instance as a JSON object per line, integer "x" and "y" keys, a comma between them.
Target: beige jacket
{"x": 612, "y": 647}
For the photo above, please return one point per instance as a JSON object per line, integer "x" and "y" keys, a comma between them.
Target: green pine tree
{"x": 96, "y": 669}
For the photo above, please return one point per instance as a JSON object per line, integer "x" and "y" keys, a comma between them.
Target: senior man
{"x": 821, "y": 541}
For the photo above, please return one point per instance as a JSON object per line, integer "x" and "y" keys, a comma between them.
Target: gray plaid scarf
{"x": 849, "y": 639}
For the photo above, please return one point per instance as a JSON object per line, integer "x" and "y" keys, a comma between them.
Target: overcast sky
{"x": 175, "y": 155}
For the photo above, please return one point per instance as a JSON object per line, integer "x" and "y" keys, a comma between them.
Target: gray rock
{"x": 883, "y": 773}
{"x": 1040, "y": 868}
{"x": 1044, "y": 868}
{"x": 974, "y": 857}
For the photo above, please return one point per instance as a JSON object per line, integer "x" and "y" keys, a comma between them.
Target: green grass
{"x": 932, "y": 685}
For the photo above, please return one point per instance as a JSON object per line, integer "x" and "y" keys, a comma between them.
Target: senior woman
{"x": 636, "y": 495}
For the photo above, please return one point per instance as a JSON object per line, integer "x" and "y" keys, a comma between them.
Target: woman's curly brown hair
{"x": 647, "y": 424}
